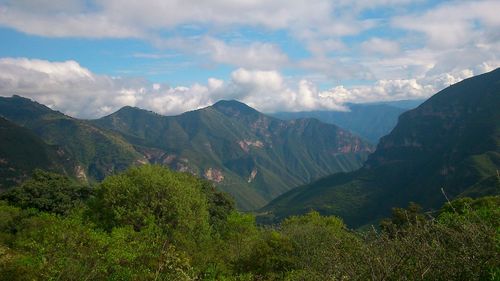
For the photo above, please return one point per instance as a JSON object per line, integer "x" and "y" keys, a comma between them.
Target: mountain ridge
{"x": 238, "y": 140}
{"x": 451, "y": 141}
{"x": 250, "y": 155}
{"x": 370, "y": 121}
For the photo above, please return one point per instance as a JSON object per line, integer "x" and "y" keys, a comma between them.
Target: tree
{"x": 323, "y": 247}
{"x": 402, "y": 218}
{"x": 50, "y": 247}
{"x": 220, "y": 205}
{"x": 152, "y": 194}
{"x": 48, "y": 192}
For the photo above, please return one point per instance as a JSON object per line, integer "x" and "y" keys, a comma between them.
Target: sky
{"x": 88, "y": 58}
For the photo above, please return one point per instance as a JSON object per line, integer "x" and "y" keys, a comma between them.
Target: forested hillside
{"x": 21, "y": 152}
{"x": 94, "y": 152}
{"x": 248, "y": 154}
{"x": 252, "y": 156}
{"x": 451, "y": 142}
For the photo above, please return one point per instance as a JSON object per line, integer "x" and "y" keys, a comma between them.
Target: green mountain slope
{"x": 21, "y": 151}
{"x": 248, "y": 154}
{"x": 452, "y": 141}
{"x": 370, "y": 121}
{"x": 95, "y": 151}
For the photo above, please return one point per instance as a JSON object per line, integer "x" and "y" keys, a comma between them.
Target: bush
{"x": 48, "y": 192}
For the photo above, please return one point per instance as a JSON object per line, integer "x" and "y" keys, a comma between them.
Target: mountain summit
{"x": 250, "y": 155}
{"x": 234, "y": 108}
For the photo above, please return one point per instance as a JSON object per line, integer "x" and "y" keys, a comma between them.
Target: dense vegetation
{"x": 150, "y": 223}
{"x": 21, "y": 152}
{"x": 450, "y": 142}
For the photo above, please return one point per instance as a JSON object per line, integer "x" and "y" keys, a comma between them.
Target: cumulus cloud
{"x": 454, "y": 24}
{"x": 421, "y": 87}
{"x": 256, "y": 55}
{"x": 248, "y": 55}
{"x": 332, "y": 33}
{"x": 76, "y": 91}
{"x": 67, "y": 86}
{"x": 133, "y": 18}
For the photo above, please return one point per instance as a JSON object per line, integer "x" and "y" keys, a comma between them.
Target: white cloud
{"x": 455, "y": 23}
{"x": 256, "y": 55}
{"x": 380, "y": 46}
{"x": 62, "y": 24}
{"x": 116, "y": 18}
{"x": 75, "y": 90}
{"x": 66, "y": 86}
{"x": 421, "y": 87}
{"x": 433, "y": 35}
{"x": 336, "y": 68}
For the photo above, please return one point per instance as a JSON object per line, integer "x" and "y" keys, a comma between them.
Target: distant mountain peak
{"x": 127, "y": 110}
{"x": 234, "y": 108}
{"x": 17, "y": 98}
{"x": 17, "y": 105}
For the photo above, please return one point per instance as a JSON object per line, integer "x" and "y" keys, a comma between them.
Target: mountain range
{"x": 370, "y": 121}
{"x": 250, "y": 155}
{"x": 447, "y": 147}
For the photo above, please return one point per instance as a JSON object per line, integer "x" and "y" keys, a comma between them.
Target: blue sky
{"x": 90, "y": 57}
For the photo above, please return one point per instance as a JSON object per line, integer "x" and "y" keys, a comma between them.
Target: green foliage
{"x": 321, "y": 246}
{"x": 150, "y": 223}
{"x": 240, "y": 233}
{"x": 466, "y": 205}
{"x": 220, "y": 205}
{"x": 402, "y": 219}
{"x": 10, "y": 217}
{"x": 153, "y": 194}
{"x": 47, "y": 192}
{"x": 455, "y": 246}
{"x": 271, "y": 256}
{"x": 67, "y": 249}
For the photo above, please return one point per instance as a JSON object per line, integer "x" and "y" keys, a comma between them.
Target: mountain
{"x": 21, "y": 151}
{"x": 451, "y": 141}
{"x": 370, "y": 121}
{"x": 250, "y": 155}
{"x": 404, "y": 104}
{"x": 95, "y": 152}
